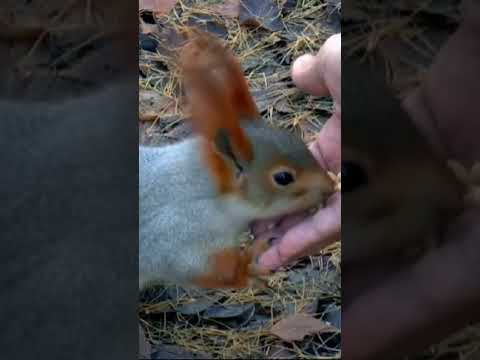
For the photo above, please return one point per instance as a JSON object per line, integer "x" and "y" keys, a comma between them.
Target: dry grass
{"x": 265, "y": 56}
{"x": 401, "y": 34}
{"x": 304, "y": 287}
{"x": 307, "y": 286}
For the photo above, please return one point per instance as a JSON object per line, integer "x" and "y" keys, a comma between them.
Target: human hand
{"x": 421, "y": 303}
{"x": 301, "y": 234}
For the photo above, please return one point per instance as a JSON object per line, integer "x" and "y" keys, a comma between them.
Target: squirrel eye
{"x": 353, "y": 176}
{"x": 283, "y": 178}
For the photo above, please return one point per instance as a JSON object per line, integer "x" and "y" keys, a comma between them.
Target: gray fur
{"x": 183, "y": 218}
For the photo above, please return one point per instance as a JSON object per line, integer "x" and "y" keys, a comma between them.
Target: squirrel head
{"x": 271, "y": 170}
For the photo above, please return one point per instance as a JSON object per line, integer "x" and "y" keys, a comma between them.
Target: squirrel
{"x": 199, "y": 195}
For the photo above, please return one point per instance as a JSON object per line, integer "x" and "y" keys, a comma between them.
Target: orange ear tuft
{"x": 218, "y": 96}
{"x": 206, "y": 54}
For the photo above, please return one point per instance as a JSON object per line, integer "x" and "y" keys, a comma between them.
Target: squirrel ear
{"x": 205, "y": 52}
{"x": 224, "y": 146}
{"x": 219, "y": 100}
{"x": 217, "y": 90}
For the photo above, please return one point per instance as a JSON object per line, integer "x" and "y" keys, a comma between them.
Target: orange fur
{"x": 308, "y": 179}
{"x": 305, "y": 178}
{"x": 222, "y": 173}
{"x": 219, "y": 99}
{"x": 229, "y": 269}
{"x": 233, "y": 268}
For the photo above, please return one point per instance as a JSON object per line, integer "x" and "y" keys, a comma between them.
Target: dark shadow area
{"x": 410, "y": 166}
{"x": 69, "y": 185}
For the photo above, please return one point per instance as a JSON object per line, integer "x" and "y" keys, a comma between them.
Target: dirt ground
{"x": 61, "y": 48}
{"x": 405, "y": 36}
{"x": 74, "y": 56}
{"x": 243, "y": 324}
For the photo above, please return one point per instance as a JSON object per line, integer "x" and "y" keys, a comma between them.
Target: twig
{"x": 19, "y": 32}
{"x": 78, "y": 47}
{"x": 44, "y": 33}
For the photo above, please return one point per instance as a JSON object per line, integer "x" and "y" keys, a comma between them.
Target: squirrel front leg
{"x": 233, "y": 267}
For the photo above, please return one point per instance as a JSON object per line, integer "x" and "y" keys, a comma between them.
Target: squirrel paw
{"x": 235, "y": 268}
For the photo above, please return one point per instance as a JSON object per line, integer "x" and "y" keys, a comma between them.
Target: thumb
{"x": 320, "y": 74}
{"x": 316, "y": 232}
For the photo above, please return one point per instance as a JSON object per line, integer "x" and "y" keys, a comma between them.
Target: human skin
{"x": 300, "y": 234}
{"x": 420, "y": 304}
{"x": 401, "y": 310}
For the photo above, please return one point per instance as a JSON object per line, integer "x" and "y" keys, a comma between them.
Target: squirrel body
{"x": 185, "y": 219}
{"x": 198, "y": 196}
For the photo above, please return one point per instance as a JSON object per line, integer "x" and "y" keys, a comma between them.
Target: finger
{"x": 307, "y": 76}
{"x": 273, "y": 231}
{"x": 320, "y": 230}
{"x": 278, "y": 225}
{"x": 290, "y": 221}
{"x": 327, "y": 146}
{"x": 422, "y": 304}
{"x": 320, "y": 74}
{"x": 331, "y": 52}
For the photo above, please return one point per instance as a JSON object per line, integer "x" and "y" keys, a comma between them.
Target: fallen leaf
{"x": 197, "y": 306}
{"x": 228, "y": 311}
{"x": 209, "y": 24}
{"x": 176, "y": 352}
{"x": 296, "y": 327}
{"x": 158, "y": 7}
{"x": 229, "y": 9}
{"x": 333, "y": 314}
{"x": 262, "y": 13}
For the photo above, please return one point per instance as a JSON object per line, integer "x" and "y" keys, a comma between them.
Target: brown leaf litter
{"x": 297, "y": 326}
{"x": 266, "y": 37}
